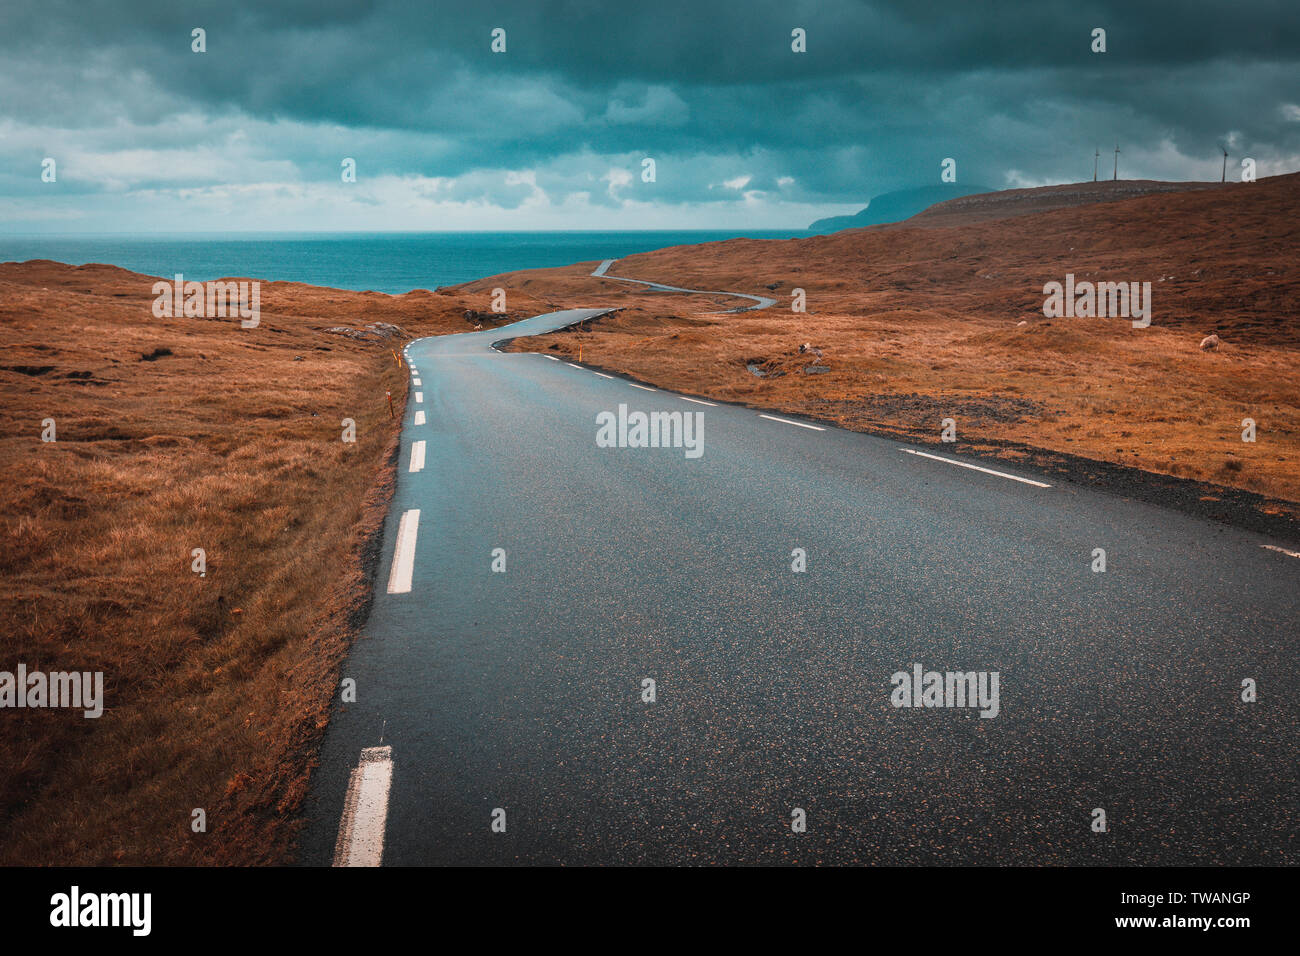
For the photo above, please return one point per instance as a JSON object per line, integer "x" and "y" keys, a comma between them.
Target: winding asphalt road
{"x": 760, "y": 301}
{"x": 522, "y": 691}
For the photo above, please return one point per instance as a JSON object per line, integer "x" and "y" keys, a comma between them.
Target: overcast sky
{"x": 745, "y": 133}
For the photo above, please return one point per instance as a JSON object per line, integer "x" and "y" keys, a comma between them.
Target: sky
{"x": 553, "y": 133}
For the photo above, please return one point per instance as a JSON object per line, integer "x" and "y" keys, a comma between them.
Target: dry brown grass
{"x": 919, "y": 323}
{"x": 217, "y": 688}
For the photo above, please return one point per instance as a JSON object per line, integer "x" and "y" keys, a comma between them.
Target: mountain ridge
{"x": 896, "y": 206}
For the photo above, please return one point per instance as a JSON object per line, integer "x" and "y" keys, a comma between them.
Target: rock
{"x": 374, "y": 332}
{"x": 755, "y": 370}
{"x": 1210, "y": 342}
{"x": 360, "y": 335}
{"x": 1022, "y": 322}
{"x": 814, "y": 369}
{"x": 473, "y": 316}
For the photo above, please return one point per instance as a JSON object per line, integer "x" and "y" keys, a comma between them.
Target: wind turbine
{"x": 1223, "y": 146}
{"x": 1095, "y": 160}
{"x": 1116, "y": 176}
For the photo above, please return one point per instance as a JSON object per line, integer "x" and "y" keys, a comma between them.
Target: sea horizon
{"x": 391, "y": 262}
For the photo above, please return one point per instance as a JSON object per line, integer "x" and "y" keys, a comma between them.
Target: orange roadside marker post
{"x": 389, "y": 395}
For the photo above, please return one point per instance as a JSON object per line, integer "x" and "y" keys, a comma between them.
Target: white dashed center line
{"x": 399, "y": 578}
{"x": 416, "y": 382}
{"x": 1273, "y": 547}
{"x": 571, "y": 365}
{"x": 602, "y": 374}
{"x": 417, "y": 455}
{"x": 987, "y": 471}
{"x": 786, "y": 421}
{"x": 551, "y": 357}
{"x": 645, "y": 388}
{"x": 419, "y": 418}
{"x": 697, "y": 401}
{"x": 365, "y": 810}
{"x": 419, "y": 397}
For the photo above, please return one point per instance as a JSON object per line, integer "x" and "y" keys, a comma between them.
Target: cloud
{"x": 711, "y": 90}
{"x": 739, "y": 182}
{"x": 658, "y": 105}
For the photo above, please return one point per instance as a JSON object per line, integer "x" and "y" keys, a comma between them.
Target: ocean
{"x": 384, "y": 262}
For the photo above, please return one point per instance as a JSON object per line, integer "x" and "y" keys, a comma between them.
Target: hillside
{"x": 1022, "y": 202}
{"x": 942, "y": 316}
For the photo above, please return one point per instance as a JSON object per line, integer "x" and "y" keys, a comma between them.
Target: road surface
{"x": 523, "y": 691}
{"x": 760, "y": 301}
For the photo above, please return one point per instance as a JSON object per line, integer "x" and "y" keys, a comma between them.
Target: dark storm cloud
{"x": 697, "y": 41}
{"x": 885, "y": 91}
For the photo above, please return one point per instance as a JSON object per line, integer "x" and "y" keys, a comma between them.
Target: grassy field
{"x": 176, "y": 434}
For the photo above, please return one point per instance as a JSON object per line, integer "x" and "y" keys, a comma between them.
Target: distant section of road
{"x": 761, "y": 301}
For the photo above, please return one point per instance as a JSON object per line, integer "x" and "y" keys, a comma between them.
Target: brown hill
{"x": 1006, "y": 203}
{"x": 942, "y": 316}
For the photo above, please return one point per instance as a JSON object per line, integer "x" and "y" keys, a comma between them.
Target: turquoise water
{"x": 384, "y": 262}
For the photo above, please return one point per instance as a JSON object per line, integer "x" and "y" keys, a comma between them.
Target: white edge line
{"x": 571, "y": 365}
{"x": 1273, "y": 547}
{"x": 602, "y": 374}
{"x": 645, "y": 388}
{"x": 786, "y": 421}
{"x": 419, "y": 397}
{"x": 697, "y": 401}
{"x": 365, "y": 810}
{"x": 399, "y": 578}
{"x": 417, "y": 382}
{"x": 551, "y": 357}
{"x": 419, "y": 418}
{"x": 987, "y": 471}
{"x": 417, "y": 455}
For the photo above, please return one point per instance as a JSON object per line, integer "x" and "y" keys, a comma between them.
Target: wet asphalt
{"x": 523, "y": 690}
